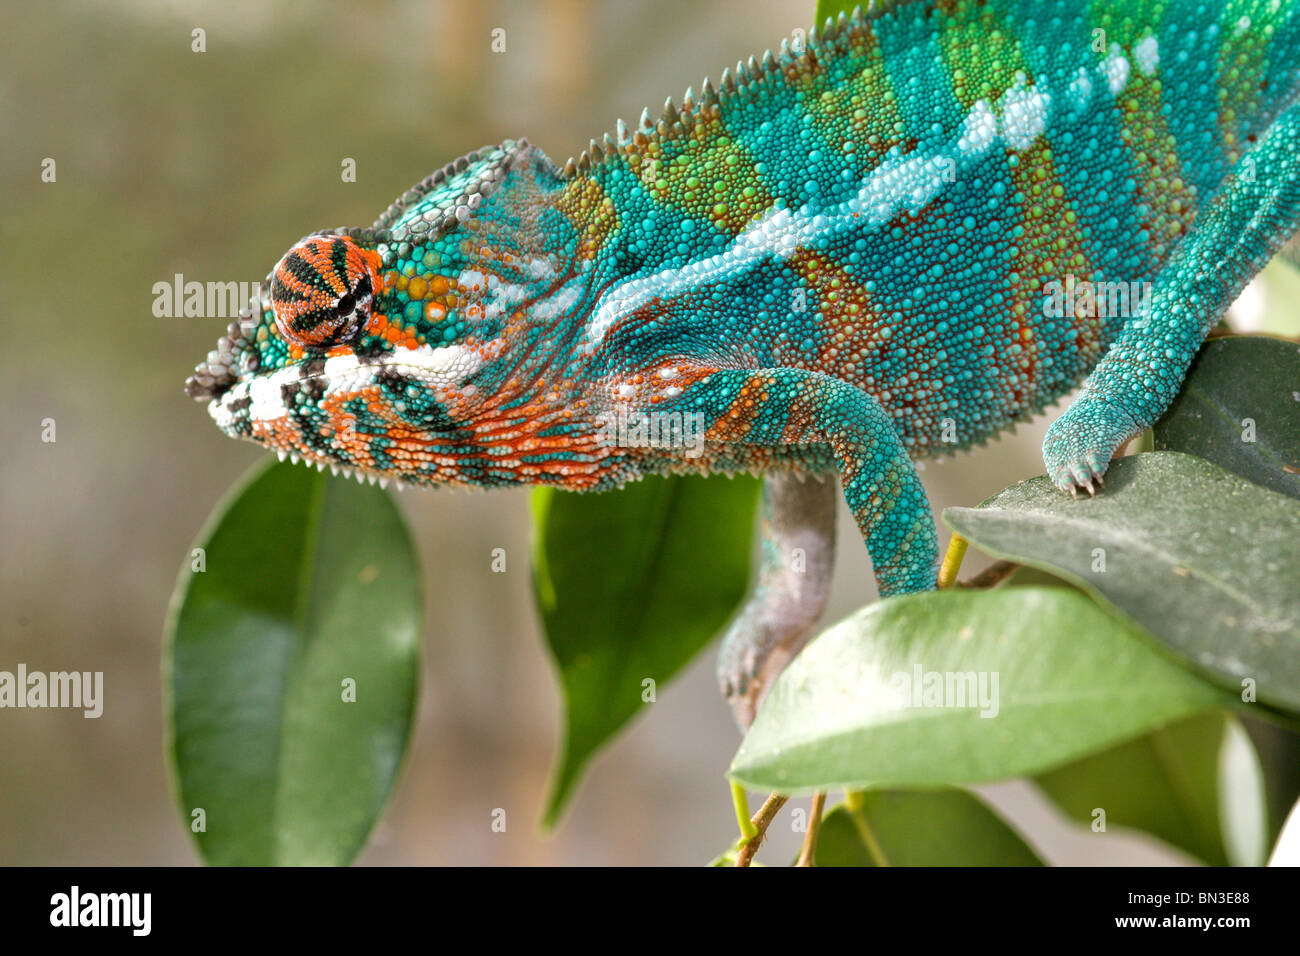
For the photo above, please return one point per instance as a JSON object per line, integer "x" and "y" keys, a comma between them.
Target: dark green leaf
{"x": 919, "y": 828}
{"x": 1286, "y": 851}
{"x": 1071, "y": 678}
{"x": 1206, "y": 561}
{"x": 1196, "y": 785}
{"x": 1240, "y": 408}
{"x": 631, "y": 586}
{"x": 309, "y": 582}
{"x": 1279, "y": 754}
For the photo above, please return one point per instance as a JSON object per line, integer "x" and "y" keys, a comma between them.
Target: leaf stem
{"x": 808, "y": 855}
{"x": 762, "y": 820}
{"x": 740, "y": 800}
{"x": 952, "y": 560}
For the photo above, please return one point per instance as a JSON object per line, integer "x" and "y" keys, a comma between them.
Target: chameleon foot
{"x": 1080, "y": 444}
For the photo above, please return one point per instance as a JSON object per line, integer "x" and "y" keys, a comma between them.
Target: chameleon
{"x": 857, "y": 252}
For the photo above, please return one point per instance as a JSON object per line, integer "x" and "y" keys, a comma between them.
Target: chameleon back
{"x": 955, "y": 206}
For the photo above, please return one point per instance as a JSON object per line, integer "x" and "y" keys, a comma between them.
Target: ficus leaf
{"x": 1206, "y": 561}
{"x": 291, "y": 668}
{"x": 894, "y": 695}
{"x": 631, "y": 586}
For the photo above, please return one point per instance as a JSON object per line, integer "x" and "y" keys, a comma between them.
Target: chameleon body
{"x": 857, "y": 252}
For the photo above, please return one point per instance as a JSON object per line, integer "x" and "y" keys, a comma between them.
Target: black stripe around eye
{"x": 283, "y": 293}
{"x": 299, "y": 267}
{"x": 306, "y": 273}
{"x": 339, "y": 259}
{"x": 308, "y": 321}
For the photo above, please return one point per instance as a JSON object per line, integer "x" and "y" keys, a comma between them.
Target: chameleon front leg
{"x": 772, "y": 407}
{"x": 794, "y": 578}
{"x": 1250, "y": 217}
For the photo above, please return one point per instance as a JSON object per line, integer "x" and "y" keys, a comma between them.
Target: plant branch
{"x": 991, "y": 576}
{"x": 762, "y": 820}
{"x": 808, "y": 855}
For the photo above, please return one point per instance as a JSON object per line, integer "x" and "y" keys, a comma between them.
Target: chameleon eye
{"x": 321, "y": 291}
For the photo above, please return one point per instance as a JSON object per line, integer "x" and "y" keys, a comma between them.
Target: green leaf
{"x": 309, "y": 582}
{"x": 631, "y": 586}
{"x": 919, "y": 828}
{"x": 1061, "y": 677}
{"x": 1241, "y": 387}
{"x": 1206, "y": 561}
{"x": 833, "y": 8}
{"x": 1197, "y": 785}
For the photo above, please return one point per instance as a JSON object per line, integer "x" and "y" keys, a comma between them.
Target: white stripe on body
{"x": 900, "y": 183}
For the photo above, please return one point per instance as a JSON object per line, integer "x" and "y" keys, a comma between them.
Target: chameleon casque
{"x": 834, "y": 255}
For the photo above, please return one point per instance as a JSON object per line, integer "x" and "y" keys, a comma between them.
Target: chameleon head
{"x": 410, "y": 349}
{"x": 331, "y": 363}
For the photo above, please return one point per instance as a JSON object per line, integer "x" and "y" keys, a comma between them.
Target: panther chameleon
{"x": 841, "y": 257}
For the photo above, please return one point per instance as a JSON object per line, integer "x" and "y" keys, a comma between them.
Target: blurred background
{"x": 210, "y": 164}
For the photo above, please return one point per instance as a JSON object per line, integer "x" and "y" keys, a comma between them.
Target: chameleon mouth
{"x": 346, "y": 411}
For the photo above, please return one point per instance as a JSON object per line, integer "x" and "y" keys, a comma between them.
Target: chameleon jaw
{"x": 348, "y": 412}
